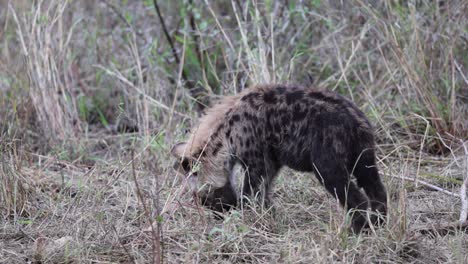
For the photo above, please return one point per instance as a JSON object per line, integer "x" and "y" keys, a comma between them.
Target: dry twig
{"x": 463, "y": 198}
{"x": 426, "y": 184}
{"x": 443, "y": 230}
{"x": 157, "y": 258}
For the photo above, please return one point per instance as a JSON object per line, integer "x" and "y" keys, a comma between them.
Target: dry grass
{"x": 92, "y": 98}
{"x": 44, "y": 43}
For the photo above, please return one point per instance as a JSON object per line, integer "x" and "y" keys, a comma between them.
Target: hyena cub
{"x": 271, "y": 126}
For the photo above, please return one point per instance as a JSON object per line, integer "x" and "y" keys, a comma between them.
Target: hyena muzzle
{"x": 267, "y": 127}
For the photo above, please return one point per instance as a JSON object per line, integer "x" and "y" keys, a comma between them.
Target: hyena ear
{"x": 179, "y": 150}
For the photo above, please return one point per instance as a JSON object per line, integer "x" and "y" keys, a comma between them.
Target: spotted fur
{"x": 271, "y": 126}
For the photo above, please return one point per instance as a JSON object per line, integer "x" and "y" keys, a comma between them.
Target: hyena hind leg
{"x": 336, "y": 181}
{"x": 368, "y": 178}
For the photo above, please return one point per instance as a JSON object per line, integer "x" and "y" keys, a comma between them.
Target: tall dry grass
{"x": 44, "y": 42}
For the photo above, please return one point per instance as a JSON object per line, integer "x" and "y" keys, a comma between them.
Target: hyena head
{"x": 201, "y": 160}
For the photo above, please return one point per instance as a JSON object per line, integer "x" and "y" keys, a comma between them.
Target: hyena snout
{"x": 221, "y": 199}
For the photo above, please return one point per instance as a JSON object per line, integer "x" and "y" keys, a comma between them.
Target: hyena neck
{"x": 210, "y": 127}
{"x": 209, "y": 144}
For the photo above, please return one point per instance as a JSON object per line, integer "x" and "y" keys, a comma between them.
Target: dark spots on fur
{"x": 312, "y": 111}
{"x": 231, "y": 141}
{"x": 216, "y": 132}
{"x": 255, "y": 119}
{"x": 247, "y": 143}
{"x": 231, "y": 122}
{"x": 258, "y": 155}
{"x": 281, "y": 90}
{"x": 241, "y": 143}
{"x": 270, "y": 97}
{"x": 228, "y": 133}
{"x": 294, "y": 96}
{"x": 282, "y": 112}
{"x": 304, "y": 131}
{"x": 326, "y": 119}
{"x": 258, "y": 132}
{"x": 247, "y": 116}
{"x": 217, "y": 148}
{"x": 270, "y": 113}
{"x": 250, "y": 98}
{"x": 235, "y": 118}
{"x": 277, "y": 127}
{"x": 252, "y": 154}
{"x": 298, "y": 113}
{"x": 244, "y": 129}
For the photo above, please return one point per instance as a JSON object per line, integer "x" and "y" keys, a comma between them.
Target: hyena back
{"x": 271, "y": 126}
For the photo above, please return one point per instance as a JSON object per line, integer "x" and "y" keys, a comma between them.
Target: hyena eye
{"x": 186, "y": 165}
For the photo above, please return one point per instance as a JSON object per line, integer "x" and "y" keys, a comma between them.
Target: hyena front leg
{"x": 224, "y": 198}
{"x": 259, "y": 178}
{"x": 335, "y": 178}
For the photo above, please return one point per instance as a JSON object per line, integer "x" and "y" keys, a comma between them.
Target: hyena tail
{"x": 367, "y": 176}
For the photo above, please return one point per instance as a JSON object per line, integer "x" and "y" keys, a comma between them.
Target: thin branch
{"x": 156, "y": 238}
{"x": 123, "y": 245}
{"x": 190, "y": 84}
{"x": 443, "y": 230}
{"x": 195, "y": 37}
{"x": 426, "y": 184}
{"x": 168, "y": 37}
{"x": 428, "y": 125}
{"x": 166, "y": 32}
{"x": 463, "y": 198}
